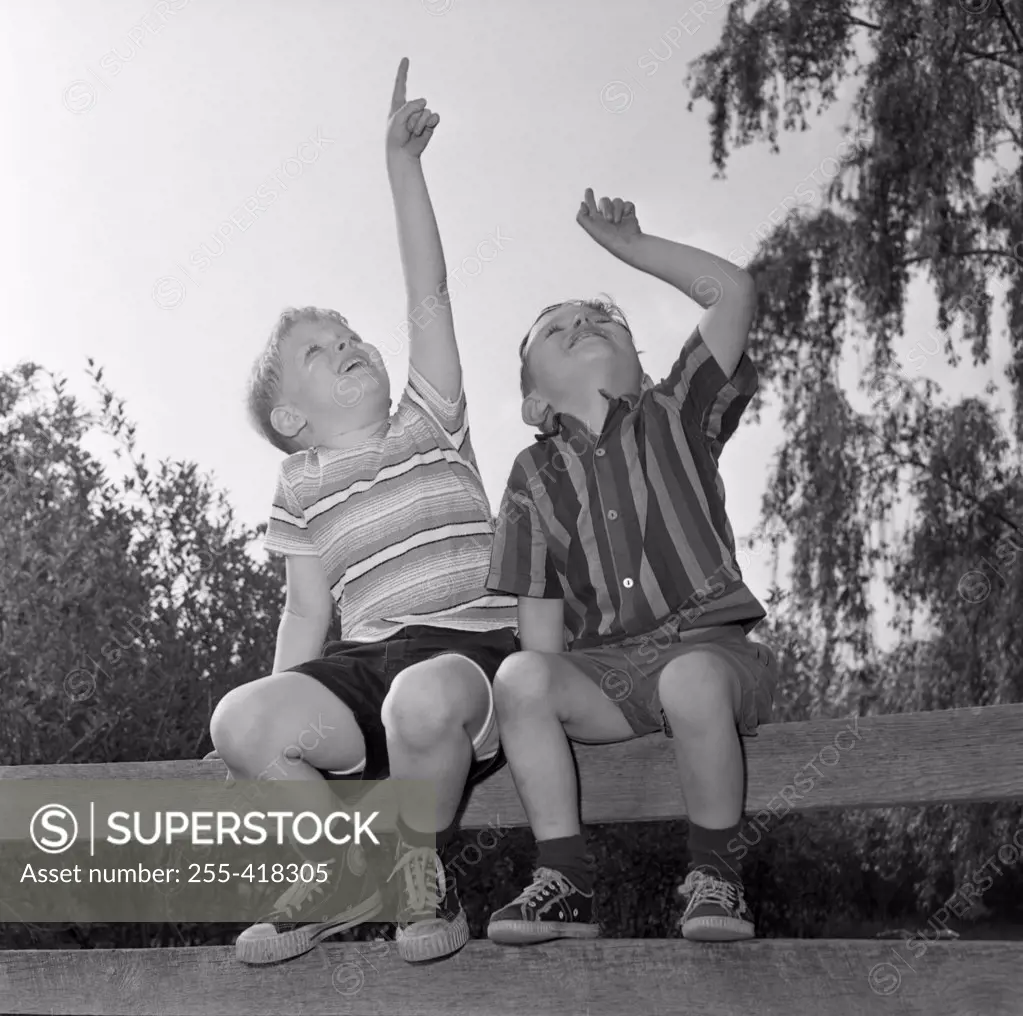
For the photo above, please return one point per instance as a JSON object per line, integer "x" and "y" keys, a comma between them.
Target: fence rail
{"x": 953, "y": 756}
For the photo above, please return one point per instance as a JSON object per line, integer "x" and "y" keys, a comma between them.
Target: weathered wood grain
{"x": 948, "y": 756}
{"x": 602, "y": 978}
{"x": 953, "y": 756}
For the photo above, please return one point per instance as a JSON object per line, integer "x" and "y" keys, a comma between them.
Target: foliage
{"x": 128, "y": 605}
{"x": 916, "y": 503}
{"x": 116, "y": 588}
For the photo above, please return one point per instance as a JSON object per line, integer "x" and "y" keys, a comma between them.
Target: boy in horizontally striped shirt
{"x": 613, "y": 528}
{"x": 384, "y": 516}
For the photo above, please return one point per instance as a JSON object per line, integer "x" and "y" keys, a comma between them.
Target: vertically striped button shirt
{"x": 629, "y": 528}
{"x": 401, "y": 523}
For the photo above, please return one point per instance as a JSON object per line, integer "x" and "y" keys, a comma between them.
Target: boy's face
{"x": 332, "y": 383}
{"x": 575, "y": 348}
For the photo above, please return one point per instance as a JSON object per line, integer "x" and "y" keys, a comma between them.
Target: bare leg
{"x": 288, "y": 726}
{"x": 701, "y": 697}
{"x": 285, "y": 727}
{"x": 543, "y": 700}
{"x": 431, "y": 714}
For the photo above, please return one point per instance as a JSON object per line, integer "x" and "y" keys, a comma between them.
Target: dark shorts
{"x": 628, "y": 672}
{"x": 360, "y": 674}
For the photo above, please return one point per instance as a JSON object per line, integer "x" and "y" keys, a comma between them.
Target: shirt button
{"x": 627, "y": 583}
{"x": 612, "y": 514}
{"x": 599, "y": 451}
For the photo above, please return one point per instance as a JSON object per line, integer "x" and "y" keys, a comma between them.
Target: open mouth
{"x": 355, "y": 361}
{"x": 576, "y": 339}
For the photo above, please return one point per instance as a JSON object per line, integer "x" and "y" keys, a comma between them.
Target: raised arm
{"x": 432, "y": 348}
{"x": 727, "y": 293}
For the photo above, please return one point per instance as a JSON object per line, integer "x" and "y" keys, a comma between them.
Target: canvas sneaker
{"x": 308, "y": 912}
{"x": 550, "y": 907}
{"x": 431, "y": 921}
{"x": 716, "y": 910}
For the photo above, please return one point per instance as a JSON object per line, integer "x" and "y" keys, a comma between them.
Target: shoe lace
{"x": 544, "y": 881}
{"x": 299, "y": 893}
{"x": 422, "y": 891}
{"x": 702, "y": 888}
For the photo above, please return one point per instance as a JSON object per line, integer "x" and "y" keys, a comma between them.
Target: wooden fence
{"x": 954, "y": 756}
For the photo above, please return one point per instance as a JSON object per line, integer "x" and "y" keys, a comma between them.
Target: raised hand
{"x": 611, "y": 223}
{"x": 411, "y": 124}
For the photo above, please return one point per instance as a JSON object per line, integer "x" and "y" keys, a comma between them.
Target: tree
{"x": 930, "y": 186}
{"x": 128, "y": 606}
{"x": 116, "y": 586}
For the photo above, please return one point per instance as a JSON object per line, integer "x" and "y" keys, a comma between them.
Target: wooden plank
{"x": 949, "y": 756}
{"x": 602, "y": 978}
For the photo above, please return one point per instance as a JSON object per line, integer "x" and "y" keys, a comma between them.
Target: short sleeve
{"x": 450, "y": 416}
{"x": 287, "y": 531}
{"x": 520, "y": 564}
{"x": 710, "y": 402}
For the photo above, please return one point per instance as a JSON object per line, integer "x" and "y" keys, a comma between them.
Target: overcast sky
{"x": 181, "y": 171}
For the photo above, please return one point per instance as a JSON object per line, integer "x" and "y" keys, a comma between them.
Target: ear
{"x": 535, "y": 411}
{"x": 286, "y": 420}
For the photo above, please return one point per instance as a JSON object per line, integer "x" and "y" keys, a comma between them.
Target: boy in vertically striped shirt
{"x": 613, "y": 535}
{"x": 384, "y": 517}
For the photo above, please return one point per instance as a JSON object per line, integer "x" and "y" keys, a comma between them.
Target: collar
{"x": 561, "y": 422}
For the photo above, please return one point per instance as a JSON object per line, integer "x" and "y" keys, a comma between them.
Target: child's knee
{"x": 523, "y": 681}
{"x": 425, "y": 705}
{"x": 244, "y": 726}
{"x": 697, "y": 689}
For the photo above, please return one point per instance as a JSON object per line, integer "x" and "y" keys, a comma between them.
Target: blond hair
{"x": 264, "y": 392}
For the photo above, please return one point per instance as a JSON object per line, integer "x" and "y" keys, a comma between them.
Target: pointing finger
{"x": 398, "y": 98}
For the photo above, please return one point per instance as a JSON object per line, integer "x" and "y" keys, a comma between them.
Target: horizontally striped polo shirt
{"x": 401, "y": 524}
{"x": 629, "y": 528}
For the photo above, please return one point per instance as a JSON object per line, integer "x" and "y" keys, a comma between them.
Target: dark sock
{"x": 708, "y": 850}
{"x": 568, "y": 855}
